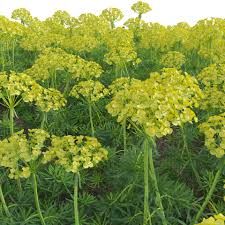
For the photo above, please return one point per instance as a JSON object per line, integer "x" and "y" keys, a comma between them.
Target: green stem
{"x": 13, "y": 54}
{"x": 75, "y": 201}
{"x": 91, "y": 119}
{"x": 5, "y": 207}
{"x": 44, "y": 119}
{"x": 11, "y": 119}
{"x": 37, "y": 199}
{"x": 11, "y": 127}
{"x": 211, "y": 190}
{"x": 146, "y": 185}
{"x": 189, "y": 156}
{"x": 66, "y": 89}
{"x": 3, "y": 58}
{"x": 124, "y": 135}
{"x": 155, "y": 182}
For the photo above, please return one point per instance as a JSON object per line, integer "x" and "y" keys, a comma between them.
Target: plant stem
{"x": 124, "y": 136}
{"x": 37, "y": 199}
{"x": 211, "y": 190}
{"x": 155, "y": 182}
{"x": 146, "y": 185}
{"x": 189, "y": 156}
{"x": 75, "y": 201}
{"x": 5, "y": 207}
{"x": 11, "y": 127}
{"x": 44, "y": 119}
{"x": 11, "y": 119}
{"x": 91, "y": 119}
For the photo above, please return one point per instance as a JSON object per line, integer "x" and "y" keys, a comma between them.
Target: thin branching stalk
{"x": 37, "y": 204}
{"x": 44, "y": 120}
{"x": 211, "y": 190}
{"x": 91, "y": 119}
{"x": 146, "y": 185}
{"x": 124, "y": 135}
{"x": 186, "y": 148}
{"x": 11, "y": 127}
{"x": 67, "y": 85}
{"x": 152, "y": 173}
{"x": 75, "y": 201}
{"x": 11, "y": 119}
{"x": 4, "y": 205}
{"x": 13, "y": 53}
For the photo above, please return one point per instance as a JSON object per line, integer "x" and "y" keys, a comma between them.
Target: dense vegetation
{"x": 111, "y": 125}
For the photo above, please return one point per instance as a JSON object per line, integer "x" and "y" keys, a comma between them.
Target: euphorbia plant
{"x": 22, "y": 154}
{"x": 153, "y": 106}
{"x": 112, "y": 15}
{"x": 75, "y": 153}
{"x": 90, "y": 92}
{"x": 55, "y": 66}
{"x": 121, "y": 50}
{"x": 17, "y": 87}
{"x": 141, "y": 8}
{"x": 118, "y": 85}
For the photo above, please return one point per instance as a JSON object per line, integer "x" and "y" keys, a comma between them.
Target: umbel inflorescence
{"x": 22, "y": 152}
{"x": 214, "y": 131}
{"x": 23, "y": 86}
{"x": 158, "y": 103}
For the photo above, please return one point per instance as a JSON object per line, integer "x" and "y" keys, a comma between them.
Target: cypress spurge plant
{"x": 53, "y": 63}
{"x": 118, "y": 85}
{"x": 121, "y": 51}
{"x": 75, "y": 153}
{"x": 141, "y": 8}
{"x": 21, "y": 87}
{"x": 153, "y": 106}
{"x": 214, "y": 132}
{"x": 112, "y": 15}
{"x": 21, "y": 154}
{"x": 89, "y": 91}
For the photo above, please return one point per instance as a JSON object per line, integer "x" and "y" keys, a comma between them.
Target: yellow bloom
{"x": 213, "y": 130}
{"x": 75, "y": 153}
{"x": 90, "y": 90}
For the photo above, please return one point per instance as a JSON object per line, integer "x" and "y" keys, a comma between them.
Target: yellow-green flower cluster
{"x": 49, "y": 99}
{"x": 155, "y": 36}
{"x": 135, "y": 24}
{"x": 112, "y": 15}
{"x": 19, "y": 150}
{"x": 30, "y": 91}
{"x": 90, "y": 90}
{"x": 120, "y": 46}
{"x": 38, "y": 36}
{"x": 214, "y": 131}
{"x": 61, "y": 19}
{"x": 52, "y": 60}
{"x": 207, "y": 38}
{"x": 173, "y": 59}
{"x": 218, "y": 219}
{"x": 213, "y": 81}
{"x": 75, "y": 153}
{"x": 120, "y": 84}
{"x": 141, "y": 7}
{"x": 10, "y": 30}
{"x": 158, "y": 103}
{"x": 23, "y": 15}
{"x": 88, "y": 34}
